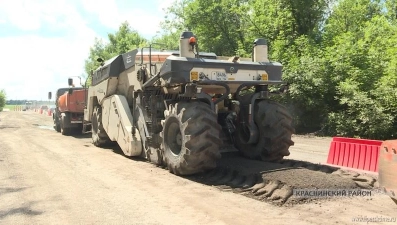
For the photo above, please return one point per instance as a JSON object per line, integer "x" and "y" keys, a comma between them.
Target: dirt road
{"x": 47, "y": 178}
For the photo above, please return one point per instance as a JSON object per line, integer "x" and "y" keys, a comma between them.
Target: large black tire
{"x": 57, "y": 125}
{"x": 191, "y": 138}
{"x": 99, "y": 136}
{"x": 64, "y": 131}
{"x": 275, "y": 130}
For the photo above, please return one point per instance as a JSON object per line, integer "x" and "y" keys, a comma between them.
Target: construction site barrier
{"x": 387, "y": 167}
{"x": 354, "y": 153}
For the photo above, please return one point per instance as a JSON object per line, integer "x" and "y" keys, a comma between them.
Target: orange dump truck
{"x": 69, "y": 112}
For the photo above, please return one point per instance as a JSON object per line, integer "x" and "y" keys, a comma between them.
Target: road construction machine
{"x": 177, "y": 109}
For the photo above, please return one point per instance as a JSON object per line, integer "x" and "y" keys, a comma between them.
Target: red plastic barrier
{"x": 354, "y": 153}
{"x": 388, "y": 168}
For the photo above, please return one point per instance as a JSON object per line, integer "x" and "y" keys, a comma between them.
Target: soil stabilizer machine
{"x": 178, "y": 109}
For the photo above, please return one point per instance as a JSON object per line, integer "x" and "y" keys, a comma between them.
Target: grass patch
{"x": 12, "y": 107}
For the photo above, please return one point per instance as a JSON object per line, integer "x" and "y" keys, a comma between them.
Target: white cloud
{"x": 40, "y": 61}
{"x": 147, "y": 24}
{"x": 34, "y": 64}
{"x": 22, "y": 14}
{"x": 111, "y": 15}
{"x": 164, "y": 4}
{"x": 106, "y": 11}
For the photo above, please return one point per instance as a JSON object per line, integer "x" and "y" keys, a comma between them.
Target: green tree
{"x": 350, "y": 16}
{"x": 338, "y": 55}
{"x": 391, "y": 10}
{"x": 167, "y": 40}
{"x": 98, "y": 50}
{"x": 228, "y": 27}
{"x": 2, "y": 99}
{"x": 362, "y": 64}
{"x": 123, "y": 40}
{"x": 218, "y": 25}
{"x": 288, "y": 19}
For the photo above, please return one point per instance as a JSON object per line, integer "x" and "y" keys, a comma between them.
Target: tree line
{"x": 339, "y": 56}
{"x": 2, "y": 99}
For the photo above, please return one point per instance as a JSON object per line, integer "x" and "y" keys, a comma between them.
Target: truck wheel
{"x": 99, "y": 136}
{"x": 57, "y": 126}
{"x": 64, "y": 131}
{"x": 190, "y": 138}
{"x": 275, "y": 131}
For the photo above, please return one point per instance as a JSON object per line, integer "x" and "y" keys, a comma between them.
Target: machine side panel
{"x": 98, "y": 93}
{"x": 112, "y": 86}
{"x": 104, "y": 89}
{"x": 127, "y": 80}
{"x": 118, "y": 124}
{"x": 114, "y": 66}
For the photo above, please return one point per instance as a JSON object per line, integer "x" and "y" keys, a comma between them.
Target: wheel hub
{"x": 173, "y": 136}
{"x": 179, "y": 139}
{"x": 249, "y": 133}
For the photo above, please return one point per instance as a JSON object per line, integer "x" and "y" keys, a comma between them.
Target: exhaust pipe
{"x": 260, "y": 51}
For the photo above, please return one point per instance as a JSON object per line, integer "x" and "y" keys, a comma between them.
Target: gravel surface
{"x": 47, "y": 178}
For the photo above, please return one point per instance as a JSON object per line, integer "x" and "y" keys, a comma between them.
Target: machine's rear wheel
{"x": 275, "y": 130}
{"x": 190, "y": 138}
{"x": 99, "y": 136}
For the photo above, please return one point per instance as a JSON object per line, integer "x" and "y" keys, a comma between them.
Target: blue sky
{"x": 43, "y": 42}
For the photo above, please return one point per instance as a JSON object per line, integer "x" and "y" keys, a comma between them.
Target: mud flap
{"x": 388, "y": 168}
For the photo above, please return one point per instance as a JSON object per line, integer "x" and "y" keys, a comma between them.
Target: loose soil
{"x": 47, "y": 178}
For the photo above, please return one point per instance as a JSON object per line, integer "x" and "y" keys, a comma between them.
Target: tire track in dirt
{"x": 275, "y": 182}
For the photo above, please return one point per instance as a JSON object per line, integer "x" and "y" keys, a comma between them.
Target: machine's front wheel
{"x": 190, "y": 138}
{"x": 99, "y": 136}
{"x": 275, "y": 130}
